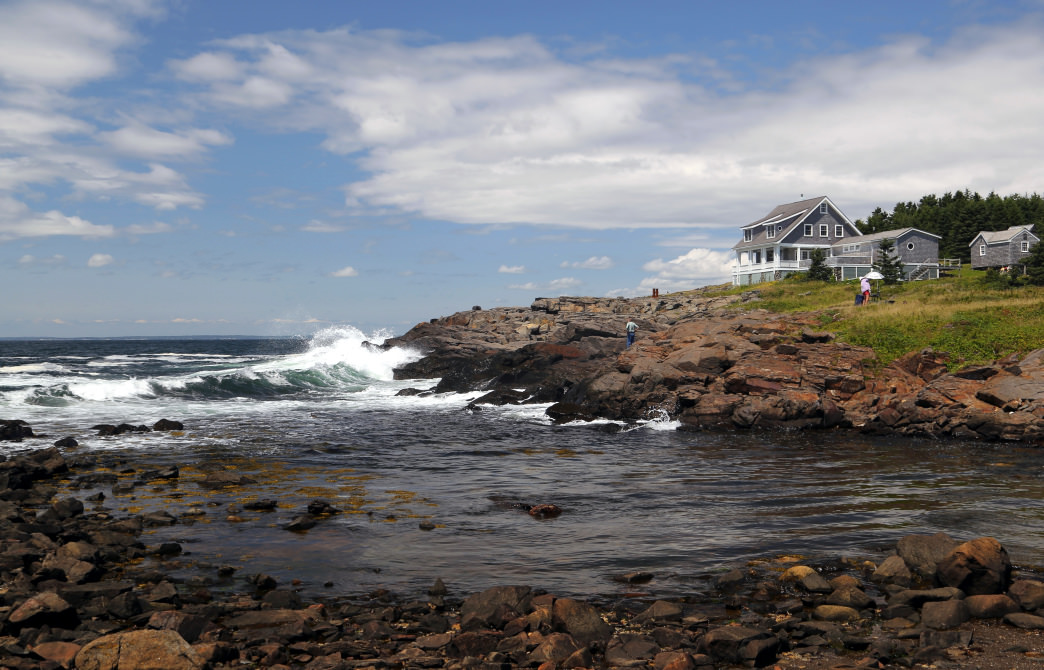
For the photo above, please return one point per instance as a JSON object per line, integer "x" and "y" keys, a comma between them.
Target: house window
{"x": 808, "y": 230}
{"x": 804, "y": 254}
{"x": 839, "y": 231}
{"x": 770, "y": 231}
{"x": 982, "y": 249}
{"x": 824, "y": 230}
{"x": 755, "y": 257}
{"x": 1025, "y": 246}
{"x": 823, "y": 208}
{"x": 747, "y": 235}
{"x": 910, "y": 245}
{"x": 769, "y": 256}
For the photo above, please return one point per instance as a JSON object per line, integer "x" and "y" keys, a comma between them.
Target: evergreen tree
{"x": 888, "y": 263}
{"x": 1035, "y": 265}
{"x": 818, "y": 270}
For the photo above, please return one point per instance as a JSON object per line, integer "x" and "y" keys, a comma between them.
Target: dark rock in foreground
{"x": 73, "y": 594}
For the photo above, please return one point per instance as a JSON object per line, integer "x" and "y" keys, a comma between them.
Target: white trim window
{"x": 910, "y": 246}
{"x": 982, "y": 249}
{"x": 808, "y": 230}
{"x": 822, "y": 208}
{"x": 1025, "y": 246}
{"x": 824, "y": 230}
{"x": 748, "y": 235}
{"x": 770, "y": 231}
{"x": 839, "y": 231}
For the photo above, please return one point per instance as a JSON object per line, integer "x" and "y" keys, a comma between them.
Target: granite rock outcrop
{"x": 713, "y": 361}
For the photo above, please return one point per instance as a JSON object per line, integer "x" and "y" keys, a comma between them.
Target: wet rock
{"x": 494, "y": 607}
{"x": 47, "y": 608}
{"x": 922, "y": 553}
{"x": 68, "y": 442}
{"x": 224, "y": 478}
{"x": 659, "y": 611}
{"x": 991, "y": 606}
{"x": 139, "y": 649}
{"x": 739, "y": 644}
{"x": 893, "y": 570}
{"x": 61, "y": 653}
{"x": 944, "y": 614}
{"x": 980, "y": 566}
{"x": 167, "y": 425}
{"x": 581, "y": 620}
{"x": 301, "y": 523}
{"x": 14, "y": 430}
{"x": 629, "y": 649}
{"x": 1025, "y": 620}
{"x": 1028, "y": 593}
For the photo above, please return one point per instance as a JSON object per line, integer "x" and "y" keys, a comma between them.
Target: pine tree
{"x": 818, "y": 270}
{"x": 887, "y": 263}
{"x": 1035, "y": 265}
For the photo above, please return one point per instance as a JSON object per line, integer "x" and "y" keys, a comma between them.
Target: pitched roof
{"x": 1000, "y": 236}
{"x": 789, "y": 211}
{"x": 895, "y": 234}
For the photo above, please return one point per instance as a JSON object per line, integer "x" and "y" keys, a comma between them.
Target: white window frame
{"x": 770, "y": 256}
{"x": 824, "y": 230}
{"x": 839, "y": 231}
{"x": 909, "y": 246}
{"x": 748, "y": 235}
{"x": 822, "y": 208}
{"x": 1025, "y": 246}
{"x": 808, "y": 230}
{"x": 982, "y": 249}
{"x": 770, "y": 231}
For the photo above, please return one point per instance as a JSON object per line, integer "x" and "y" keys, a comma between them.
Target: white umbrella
{"x": 874, "y": 274}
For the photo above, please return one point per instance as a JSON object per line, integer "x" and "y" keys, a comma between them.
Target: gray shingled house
{"x": 781, "y": 242}
{"x": 1002, "y": 248}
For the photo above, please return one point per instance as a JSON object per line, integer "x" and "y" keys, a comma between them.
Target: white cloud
{"x": 17, "y": 220}
{"x": 150, "y": 229}
{"x": 139, "y": 140}
{"x": 512, "y": 269}
{"x": 502, "y": 130}
{"x": 699, "y": 267}
{"x": 99, "y": 260}
{"x": 316, "y": 226}
{"x": 29, "y": 260}
{"x": 592, "y": 263}
{"x": 347, "y": 271}
{"x": 557, "y": 286}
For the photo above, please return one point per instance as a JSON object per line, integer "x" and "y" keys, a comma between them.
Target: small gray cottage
{"x": 781, "y": 242}
{"x": 1002, "y": 248}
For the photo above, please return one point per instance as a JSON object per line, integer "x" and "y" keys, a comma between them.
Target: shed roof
{"x": 1002, "y": 236}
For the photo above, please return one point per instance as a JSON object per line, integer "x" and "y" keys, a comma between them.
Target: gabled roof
{"x": 1002, "y": 236}
{"x": 792, "y": 215}
{"x": 896, "y": 234}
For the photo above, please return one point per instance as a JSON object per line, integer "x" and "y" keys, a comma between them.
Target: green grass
{"x": 965, "y": 316}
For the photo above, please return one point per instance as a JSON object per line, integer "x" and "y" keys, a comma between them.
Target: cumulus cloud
{"x": 137, "y": 139}
{"x": 99, "y": 260}
{"x": 699, "y": 267}
{"x": 592, "y": 263}
{"x": 347, "y": 271}
{"x": 505, "y": 130}
{"x": 512, "y": 269}
{"x": 17, "y": 220}
{"x": 557, "y": 286}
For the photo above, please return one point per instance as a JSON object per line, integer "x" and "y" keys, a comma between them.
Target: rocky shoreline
{"x": 81, "y": 588}
{"x": 716, "y": 361}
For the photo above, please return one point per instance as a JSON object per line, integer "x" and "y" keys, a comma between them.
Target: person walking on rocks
{"x": 632, "y": 328}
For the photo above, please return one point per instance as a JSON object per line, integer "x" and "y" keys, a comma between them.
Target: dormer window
{"x": 748, "y": 235}
{"x": 770, "y": 231}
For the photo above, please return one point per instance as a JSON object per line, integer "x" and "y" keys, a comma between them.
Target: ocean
{"x": 430, "y": 487}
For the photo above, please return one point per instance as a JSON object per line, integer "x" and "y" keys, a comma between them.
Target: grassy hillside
{"x": 976, "y": 321}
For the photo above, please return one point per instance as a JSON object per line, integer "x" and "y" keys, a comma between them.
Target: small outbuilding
{"x": 1002, "y": 248}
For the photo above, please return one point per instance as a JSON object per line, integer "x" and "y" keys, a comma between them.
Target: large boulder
{"x": 977, "y": 567}
{"x": 495, "y": 606}
{"x": 141, "y": 650}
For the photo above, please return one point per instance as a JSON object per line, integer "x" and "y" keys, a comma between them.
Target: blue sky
{"x": 265, "y": 167}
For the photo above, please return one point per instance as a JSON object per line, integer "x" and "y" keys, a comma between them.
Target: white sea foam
{"x": 32, "y": 368}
